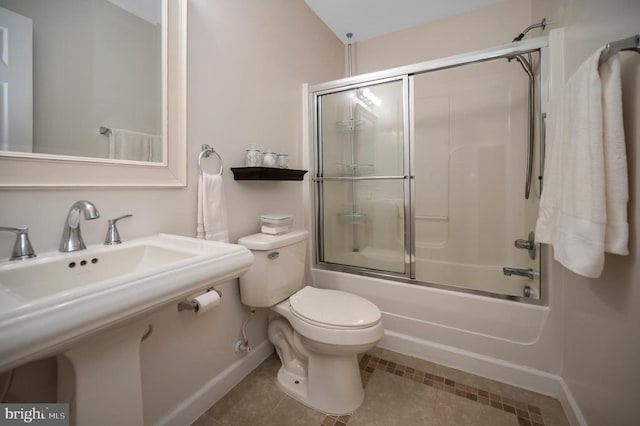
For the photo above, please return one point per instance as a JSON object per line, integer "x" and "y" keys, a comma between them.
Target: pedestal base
{"x": 100, "y": 378}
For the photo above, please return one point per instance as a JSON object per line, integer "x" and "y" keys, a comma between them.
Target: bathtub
{"x": 504, "y": 340}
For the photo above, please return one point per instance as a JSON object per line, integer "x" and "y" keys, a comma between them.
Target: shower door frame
{"x": 407, "y": 166}
{"x": 406, "y": 74}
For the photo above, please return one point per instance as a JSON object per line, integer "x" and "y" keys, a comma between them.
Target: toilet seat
{"x": 334, "y": 309}
{"x": 369, "y": 331}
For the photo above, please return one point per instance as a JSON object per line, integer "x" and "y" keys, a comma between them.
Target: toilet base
{"x": 333, "y": 385}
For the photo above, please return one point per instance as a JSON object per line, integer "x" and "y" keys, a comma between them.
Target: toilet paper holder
{"x": 192, "y": 305}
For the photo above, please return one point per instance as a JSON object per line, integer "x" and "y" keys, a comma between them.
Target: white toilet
{"x": 317, "y": 333}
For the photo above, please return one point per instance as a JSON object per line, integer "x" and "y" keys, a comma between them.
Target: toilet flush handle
{"x": 273, "y": 255}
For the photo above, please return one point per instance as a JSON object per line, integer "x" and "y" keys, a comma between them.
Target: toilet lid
{"x": 334, "y": 308}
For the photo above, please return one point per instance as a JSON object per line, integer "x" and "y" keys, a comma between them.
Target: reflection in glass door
{"x": 362, "y": 170}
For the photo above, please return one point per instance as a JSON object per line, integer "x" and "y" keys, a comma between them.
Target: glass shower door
{"x": 362, "y": 184}
{"x": 470, "y": 144}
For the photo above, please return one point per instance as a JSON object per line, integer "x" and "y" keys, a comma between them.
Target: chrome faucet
{"x": 71, "y": 235}
{"x": 527, "y": 273}
{"x": 22, "y": 247}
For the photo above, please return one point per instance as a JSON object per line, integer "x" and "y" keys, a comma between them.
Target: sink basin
{"x": 49, "y": 302}
{"x": 66, "y": 273}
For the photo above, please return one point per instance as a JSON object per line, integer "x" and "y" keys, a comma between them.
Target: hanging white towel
{"x": 212, "y": 209}
{"x": 130, "y": 145}
{"x": 583, "y": 208}
{"x": 616, "y": 239}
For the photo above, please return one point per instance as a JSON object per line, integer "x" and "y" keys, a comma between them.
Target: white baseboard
{"x": 195, "y": 405}
{"x": 491, "y": 368}
{"x": 571, "y": 408}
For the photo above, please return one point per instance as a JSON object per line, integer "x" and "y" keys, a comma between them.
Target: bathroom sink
{"x": 30, "y": 281}
{"x": 51, "y": 301}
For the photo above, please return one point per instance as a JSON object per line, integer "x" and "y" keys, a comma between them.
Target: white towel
{"x": 130, "y": 145}
{"x": 583, "y": 209}
{"x": 616, "y": 239}
{"x": 212, "y": 209}
{"x": 155, "y": 154}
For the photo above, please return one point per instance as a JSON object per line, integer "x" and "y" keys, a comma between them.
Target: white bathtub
{"x": 500, "y": 339}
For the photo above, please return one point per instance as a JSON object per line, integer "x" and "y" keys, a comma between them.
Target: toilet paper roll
{"x": 207, "y": 301}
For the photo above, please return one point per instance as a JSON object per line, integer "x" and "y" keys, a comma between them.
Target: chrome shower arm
{"x": 542, "y": 24}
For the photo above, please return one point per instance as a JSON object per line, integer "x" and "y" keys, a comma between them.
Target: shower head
{"x": 542, "y": 24}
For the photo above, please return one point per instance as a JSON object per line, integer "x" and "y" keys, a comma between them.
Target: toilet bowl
{"x": 317, "y": 333}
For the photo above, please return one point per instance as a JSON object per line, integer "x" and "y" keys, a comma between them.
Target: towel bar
{"x": 629, "y": 43}
{"x": 206, "y": 152}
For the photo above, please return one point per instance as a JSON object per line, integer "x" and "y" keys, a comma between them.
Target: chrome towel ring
{"x": 206, "y": 152}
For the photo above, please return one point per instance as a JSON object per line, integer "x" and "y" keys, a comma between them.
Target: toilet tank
{"x": 277, "y": 270}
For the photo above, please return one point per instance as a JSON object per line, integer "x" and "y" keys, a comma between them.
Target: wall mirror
{"x": 92, "y": 93}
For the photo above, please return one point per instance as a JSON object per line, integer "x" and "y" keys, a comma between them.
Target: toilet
{"x": 317, "y": 333}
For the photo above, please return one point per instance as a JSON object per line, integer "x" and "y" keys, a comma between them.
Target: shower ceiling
{"x": 372, "y": 18}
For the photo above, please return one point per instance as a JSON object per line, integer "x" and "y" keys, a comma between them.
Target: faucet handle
{"x": 22, "y": 248}
{"x": 113, "y": 236}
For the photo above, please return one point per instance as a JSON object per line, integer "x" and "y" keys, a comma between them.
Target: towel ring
{"x": 206, "y": 152}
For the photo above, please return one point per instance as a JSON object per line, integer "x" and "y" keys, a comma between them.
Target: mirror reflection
{"x": 82, "y": 78}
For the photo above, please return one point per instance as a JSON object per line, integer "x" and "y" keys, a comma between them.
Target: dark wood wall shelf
{"x": 266, "y": 173}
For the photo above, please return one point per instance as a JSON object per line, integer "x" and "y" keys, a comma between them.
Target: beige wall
{"x": 601, "y": 348}
{"x": 489, "y": 26}
{"x": 247, "y": 61}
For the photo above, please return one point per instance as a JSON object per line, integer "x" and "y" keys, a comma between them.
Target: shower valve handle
{"x": 524, "y": 244}
{"x": 529, "y": 244}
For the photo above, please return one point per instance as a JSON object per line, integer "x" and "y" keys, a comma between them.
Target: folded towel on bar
{"x": 130, "y": 145}
{"x": 583, "y": 208}
{"x": 212, "y": 208}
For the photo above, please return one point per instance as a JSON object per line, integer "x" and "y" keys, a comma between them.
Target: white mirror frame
{"x": 22, "y": 170}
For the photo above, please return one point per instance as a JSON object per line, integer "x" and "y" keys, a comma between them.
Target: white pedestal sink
{"x": 85, "y": 307}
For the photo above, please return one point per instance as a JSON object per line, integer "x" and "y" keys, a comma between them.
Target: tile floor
{"x": 399, "y": 390}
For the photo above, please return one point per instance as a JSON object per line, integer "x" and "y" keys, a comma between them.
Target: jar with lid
{"x": 282, "y": 161}
{"x": 269, "y": 159}
{"x": 253, "y": 157}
